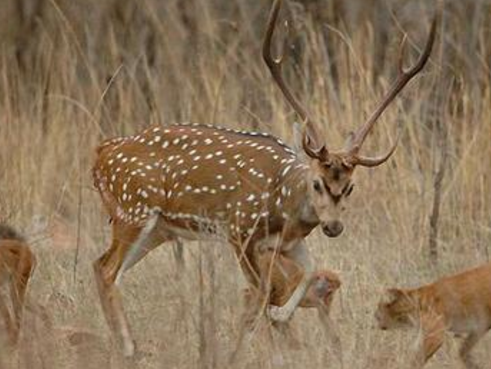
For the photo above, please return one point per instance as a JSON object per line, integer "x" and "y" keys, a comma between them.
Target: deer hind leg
{"x": 300, "y": 255}
{"x": 26, "y": 263}
{"x": 129, "y": 245}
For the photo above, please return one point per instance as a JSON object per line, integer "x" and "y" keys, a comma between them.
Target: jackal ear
{"x": 392, "y": 295}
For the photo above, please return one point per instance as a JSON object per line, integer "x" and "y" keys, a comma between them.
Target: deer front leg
{"x": 300, "y": 255}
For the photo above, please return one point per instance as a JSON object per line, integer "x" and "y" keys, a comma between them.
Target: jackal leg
{"x": 433, "y": 333}
{"x": 467, "y": 346}
{"x": 18, "y": 287}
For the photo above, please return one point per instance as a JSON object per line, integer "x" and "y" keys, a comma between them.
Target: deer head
{"x": 330, "y": 171}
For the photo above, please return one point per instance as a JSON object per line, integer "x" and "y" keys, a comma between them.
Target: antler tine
{"x": 275, "y": 64}
{"x": 366, "y": 161}
{"x": 402, "y": 79}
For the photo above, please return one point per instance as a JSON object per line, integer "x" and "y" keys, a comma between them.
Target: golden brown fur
{"x": 460, "y": 304}
{"x": 284, "y": 275}
{"x": 16, "y": 266}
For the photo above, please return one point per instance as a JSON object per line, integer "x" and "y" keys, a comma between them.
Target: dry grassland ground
{"x": 74, "y": 72}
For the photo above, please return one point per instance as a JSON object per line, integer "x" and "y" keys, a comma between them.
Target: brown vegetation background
{"x": 73, "y": 72}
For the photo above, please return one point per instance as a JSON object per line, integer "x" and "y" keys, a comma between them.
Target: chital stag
{"x": 17, "y": 263}
{"x": 189, "y": 180}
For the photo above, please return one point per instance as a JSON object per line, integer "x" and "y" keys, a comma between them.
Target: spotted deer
{"x": 17, "y": 263}
{"x": 189, "y": 180}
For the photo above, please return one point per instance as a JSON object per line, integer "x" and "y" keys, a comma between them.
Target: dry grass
{"x": 75, "y": 72}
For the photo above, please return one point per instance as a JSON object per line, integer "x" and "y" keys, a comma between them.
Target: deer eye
{"x": 317, "y": 186}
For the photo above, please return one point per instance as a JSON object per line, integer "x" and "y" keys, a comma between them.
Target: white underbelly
{"x": 189, "y": 234}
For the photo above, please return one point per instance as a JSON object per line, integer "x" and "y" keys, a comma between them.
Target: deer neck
{"x": 296, "y": 202}
{"x": 306, "y": 212}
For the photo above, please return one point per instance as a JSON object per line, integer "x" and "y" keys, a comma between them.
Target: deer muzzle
{"x": 332, "y": 228}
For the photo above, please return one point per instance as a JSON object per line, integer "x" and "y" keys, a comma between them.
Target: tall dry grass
{"x": 75, "y": 72}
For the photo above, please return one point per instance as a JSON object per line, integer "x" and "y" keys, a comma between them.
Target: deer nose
{"x": 333, "y": 228}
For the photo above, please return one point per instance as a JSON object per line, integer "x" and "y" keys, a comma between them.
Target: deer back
{"x": 194, "y": 175}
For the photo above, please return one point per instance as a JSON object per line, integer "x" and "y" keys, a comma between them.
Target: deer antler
{"x": 366, "y": 161}
{"x": 356, "y": 140}
{"x": 310, "y": 132}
